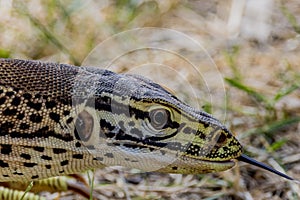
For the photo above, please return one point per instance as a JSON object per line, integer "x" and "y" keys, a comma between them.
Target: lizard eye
{"x": 159, "y": 118}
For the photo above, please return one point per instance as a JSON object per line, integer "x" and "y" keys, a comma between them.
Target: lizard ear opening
{"x": 251, "y": 161}
{"x": 84, "y": 126}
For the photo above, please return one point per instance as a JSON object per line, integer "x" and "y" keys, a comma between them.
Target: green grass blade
{"x": 27, "y": 190}
{"x": 48, "y": 34}
{"x": 272, "y": 128}
{"x": 91, "y": 182}
{"x": 237, "y": 84}
{"x": 277, "y": 145}
{"x": 286, "y": 91}
{"x": 291, "y": 18}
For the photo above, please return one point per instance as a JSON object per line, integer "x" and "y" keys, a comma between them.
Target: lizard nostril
{"x": 222, "y": 138}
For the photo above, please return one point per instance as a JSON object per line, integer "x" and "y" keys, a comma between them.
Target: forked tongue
{"x": 251, "y": 161}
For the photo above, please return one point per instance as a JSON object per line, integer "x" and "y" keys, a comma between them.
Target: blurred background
{"x": 255, "y": 49}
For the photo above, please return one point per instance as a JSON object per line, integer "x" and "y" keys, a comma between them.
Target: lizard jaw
{"x": 196, "y": 166}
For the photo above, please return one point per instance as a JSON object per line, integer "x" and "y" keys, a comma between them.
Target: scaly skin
{"x": 60, "y": 119}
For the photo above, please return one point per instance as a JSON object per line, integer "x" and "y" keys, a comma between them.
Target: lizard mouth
{"x": 226, "y": 163}
{"x": 208, "y": 166}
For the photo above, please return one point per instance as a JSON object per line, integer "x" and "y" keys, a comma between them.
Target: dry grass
{"x": 257, "y": 52}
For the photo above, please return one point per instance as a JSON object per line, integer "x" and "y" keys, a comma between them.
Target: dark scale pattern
{"x": 35, "y": 177}
{"x": 36, "y": 118}
{"x": 9, "y": 112}
{"x": 48, "y": 166}
{"x": 5, "y": 149}
{"x": 36, "y": 103}
{"x": 25, "y": 156}
{"x": 3, "y": 164}
{"x": 24, "y": 126}
{"x": 109, "y": 155}
{"x": 59, "y": 150}
{"x": 20, "y": 116}
{"x": 39, "y": 149}
{"x": 65, "y": 162}
{"x": 16, "y": 101}
{"x": 18, "y": 173}
{"x": 36, "y": 106}
{"x": 29, "y": 164}
{"x": 54, "y": 116}
{"x": 2, "y": 100}
{"x": 45, "y": 157}
{"x": 78, "y": 156}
